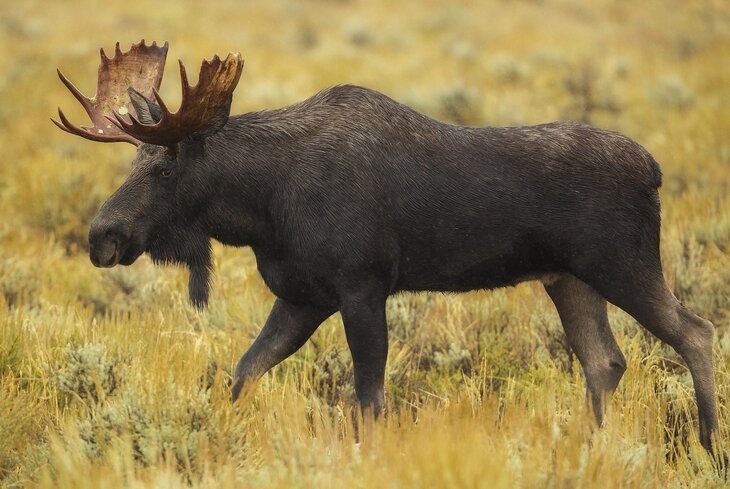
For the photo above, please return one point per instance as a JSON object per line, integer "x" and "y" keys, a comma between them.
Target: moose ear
{"x": 147, "y": 111}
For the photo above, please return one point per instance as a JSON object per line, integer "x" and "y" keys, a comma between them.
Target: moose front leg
{"x": 287, "y": 328}
{"x": 363, "y": 314}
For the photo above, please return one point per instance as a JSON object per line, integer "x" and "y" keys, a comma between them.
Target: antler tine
{"x": 60, "y": 125}
{"x": 83, "y": 99}
{"x": 184, "y": 80}
{"x": 71, "y": 128}
{"x": 116, "y": 120}
{"x": 160, "y": 102}
{"x": 124, "y": 125}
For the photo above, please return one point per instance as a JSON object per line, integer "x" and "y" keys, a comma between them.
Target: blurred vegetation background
{"x": 109, "y": 377}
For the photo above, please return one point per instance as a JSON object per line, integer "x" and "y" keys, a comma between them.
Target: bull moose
{"x": 349, "y": 197}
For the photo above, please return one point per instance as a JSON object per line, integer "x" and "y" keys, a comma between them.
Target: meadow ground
{"x": 109, "y": 378}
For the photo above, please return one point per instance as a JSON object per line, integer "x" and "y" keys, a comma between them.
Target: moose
{"x": 349, "y": 197}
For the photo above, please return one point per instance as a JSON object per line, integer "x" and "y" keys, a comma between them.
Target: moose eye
{"x": 165, "y": 172}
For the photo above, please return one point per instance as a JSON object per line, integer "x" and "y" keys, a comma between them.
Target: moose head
{"x": 144, "y": 214}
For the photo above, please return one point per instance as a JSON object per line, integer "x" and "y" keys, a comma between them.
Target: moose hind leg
{"x": 644, "y": 294}
{"x": 585, "y": 321}
{"x": 696, "y": 350}
{"x": 691, "y": 336}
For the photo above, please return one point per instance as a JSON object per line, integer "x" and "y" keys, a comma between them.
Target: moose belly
{"x": 462, "y": 266}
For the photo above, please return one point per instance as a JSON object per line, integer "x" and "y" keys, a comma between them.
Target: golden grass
{"x": 109, "y": 378}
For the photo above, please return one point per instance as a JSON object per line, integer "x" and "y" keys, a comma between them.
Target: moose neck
{"x": 249, "y": 159}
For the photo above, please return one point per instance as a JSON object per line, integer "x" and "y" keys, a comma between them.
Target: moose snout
{"x": 107, "y": 242}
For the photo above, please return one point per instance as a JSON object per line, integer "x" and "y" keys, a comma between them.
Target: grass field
{"x": 108, "y": 378}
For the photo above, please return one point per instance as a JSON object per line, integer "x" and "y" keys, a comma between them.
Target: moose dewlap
{"x": 349, "y": 197}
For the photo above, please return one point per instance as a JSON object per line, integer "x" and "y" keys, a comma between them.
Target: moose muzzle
{"x": 108, "y": 242}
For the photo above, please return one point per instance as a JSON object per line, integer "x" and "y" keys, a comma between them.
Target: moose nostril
{"x": 111, "y": 235}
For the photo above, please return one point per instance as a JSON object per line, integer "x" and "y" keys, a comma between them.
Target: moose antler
{"x": 141, "y": 67}
{"x": 204, "y": 106}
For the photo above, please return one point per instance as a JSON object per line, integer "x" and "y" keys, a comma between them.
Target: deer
{"x": 349, "y": 197}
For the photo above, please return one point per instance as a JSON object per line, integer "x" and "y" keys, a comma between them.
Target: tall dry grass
{"x": 108, "y": 378}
